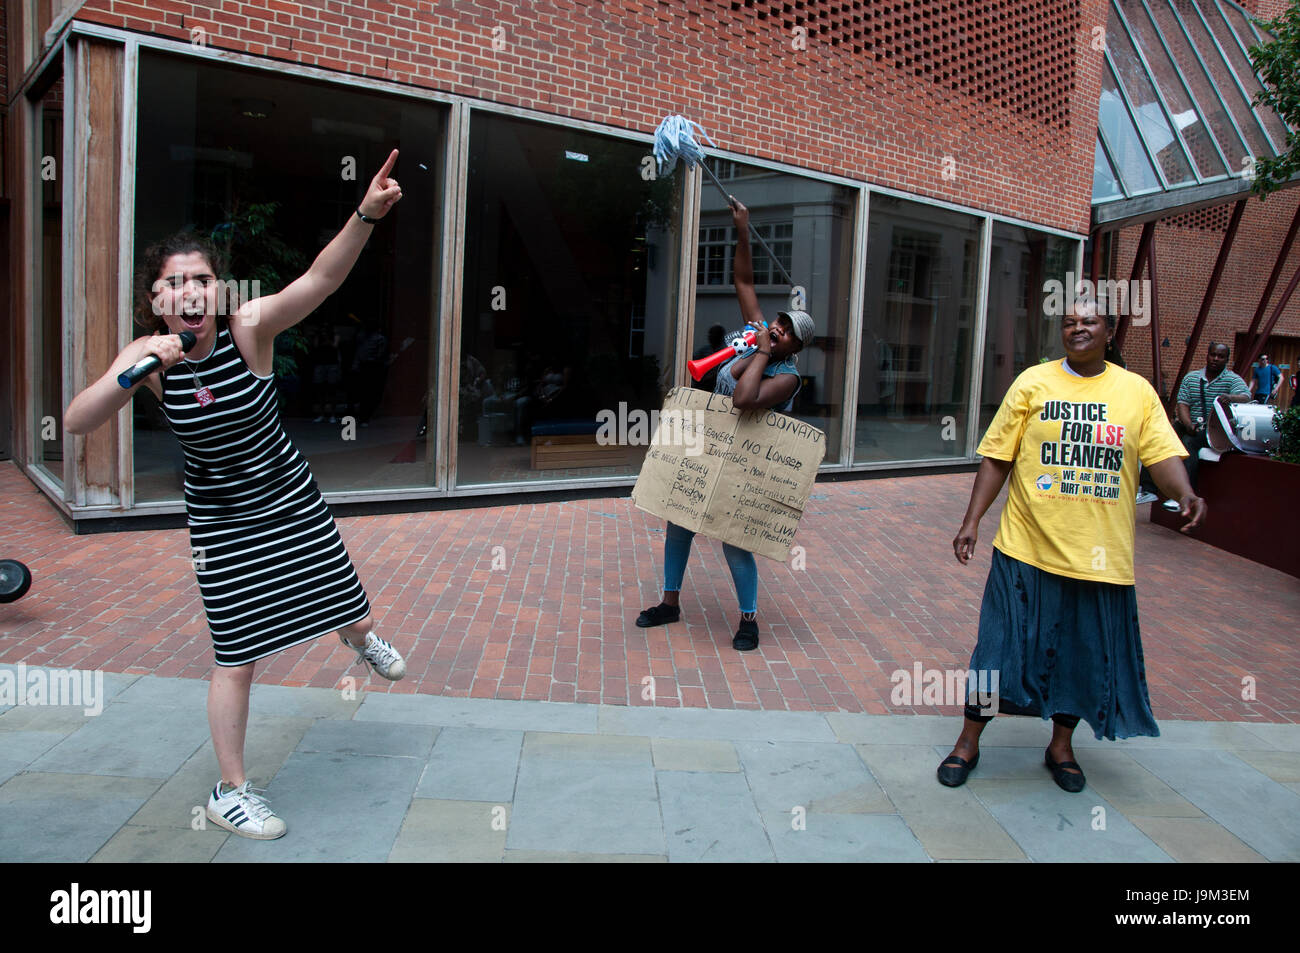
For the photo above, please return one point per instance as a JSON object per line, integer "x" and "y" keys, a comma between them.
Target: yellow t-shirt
{"x": 1075, "y": 443}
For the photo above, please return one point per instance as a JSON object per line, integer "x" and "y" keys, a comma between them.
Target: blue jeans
{"x": 744, "y": 570}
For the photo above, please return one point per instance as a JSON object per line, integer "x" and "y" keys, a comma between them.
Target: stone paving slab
{"x": 186, "y": 693}
{"x": 1122, "y": 780}
{"x": 74, "y": 814}
{"x": 473, "y": 764}
{"x": 950, "y": 823}
{"x": 841, "y": 838}
{"x": 1281, "y": 766}
{"x": 448, "y": 831}
{"x": 9, "y": 768}
{"x": 693, "y": 754}
{"x": 24, "y": 747}
{"x": 711, "y": 817}
{"x": 1282, "y": 737}
{"x": 122, "y": 742}
{"x": 1054, "y": 826}
{"x": 1259, "y": 811}
{"x": 138, "y": 844}
{"x": 338, "y": 809}
{"x": 477, "y": 713}
{"x": 784, "y": 776}
{"x": 60, "y": 718}
{"x": 376, "y": 739}
{"x": 1196, "y": 840}
{"x": 303, "y": 702}
{"x": 732, "y": 725}
{"x": 563, "y": 857}
{"x": 584, "y": 805}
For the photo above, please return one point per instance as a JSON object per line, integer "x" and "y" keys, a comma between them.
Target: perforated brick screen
{"x": 1207, "y": 219}
{"x": 1006, "y": 53}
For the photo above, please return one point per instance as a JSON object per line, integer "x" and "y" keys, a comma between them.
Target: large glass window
{"x": 918, "y": 318}
{"x": 271, "y": 167}
{"x": 1023, "y": 327}
{"x": 569, "y": 302}
{"x": 47, "y": 391}
{"x": 808, "y": 224}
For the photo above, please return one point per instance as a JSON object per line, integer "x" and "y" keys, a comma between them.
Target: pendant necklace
{"x": 202, "y": 393}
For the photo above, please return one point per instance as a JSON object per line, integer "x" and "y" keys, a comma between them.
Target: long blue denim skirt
{"x": 1064, "y": 646}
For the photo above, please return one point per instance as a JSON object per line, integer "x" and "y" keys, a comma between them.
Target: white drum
{"x": 1245, "y": 427}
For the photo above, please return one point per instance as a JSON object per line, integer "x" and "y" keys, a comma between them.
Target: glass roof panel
{"x": 1122, "y": 138}
{"x": 1104, "y": 184}
{"x": 1224, "y": 79}
{"x": 1159, "y": 135}
{"x": 1223, "y": 30}
{"x": 1192, "y": 125}
{"x": 1202, "y": 86}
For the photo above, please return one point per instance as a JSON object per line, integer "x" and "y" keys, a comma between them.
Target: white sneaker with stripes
{"x": 244, "y": 811}
{"x": 381, "y": 656}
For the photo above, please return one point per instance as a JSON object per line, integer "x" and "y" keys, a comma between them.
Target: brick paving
{"x": 881, "y": 591}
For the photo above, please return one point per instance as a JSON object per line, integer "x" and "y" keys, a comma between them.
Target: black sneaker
{"x": 746, "y": 638}
{"x": 661, "y": 614}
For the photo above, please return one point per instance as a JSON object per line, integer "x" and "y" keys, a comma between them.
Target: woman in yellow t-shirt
{"x": 1058, "y": 629}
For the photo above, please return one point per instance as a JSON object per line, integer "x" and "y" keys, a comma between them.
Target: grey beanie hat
{"x": 802, "y": 322}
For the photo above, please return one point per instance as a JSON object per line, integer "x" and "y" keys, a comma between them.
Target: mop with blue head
{"x": 675, "y": 139}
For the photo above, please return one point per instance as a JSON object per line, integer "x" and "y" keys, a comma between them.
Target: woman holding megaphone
{"x": 271, "y": 566}
{"x": 759, "y": 376}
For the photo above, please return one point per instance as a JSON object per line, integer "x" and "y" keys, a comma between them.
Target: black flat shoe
{"x": 953, "y": 770}
{"x": 746, "y": 637}
{"x": 1065, "y": 780}
{"x": 658, "y": 615}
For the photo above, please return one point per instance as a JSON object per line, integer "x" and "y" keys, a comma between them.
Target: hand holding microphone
{"x": 146, "y": 366}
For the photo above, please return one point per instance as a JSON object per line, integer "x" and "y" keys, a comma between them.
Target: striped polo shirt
{"x": 1189, "y": 392}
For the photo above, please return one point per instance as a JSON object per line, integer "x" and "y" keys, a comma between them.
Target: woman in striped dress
{"x": 271, "y": 566}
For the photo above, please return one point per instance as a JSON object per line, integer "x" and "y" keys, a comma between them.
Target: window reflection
{"x": 1020, "y": 331}
{"x": 270, "y": 168}
{"x": 48, "y": 409}
{"x": 569, "y": 305}
{"x": 918, "y": 318}
{"x": 808, "y": 224}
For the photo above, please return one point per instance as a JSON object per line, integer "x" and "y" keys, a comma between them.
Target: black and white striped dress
{"x": 272, "y": 568}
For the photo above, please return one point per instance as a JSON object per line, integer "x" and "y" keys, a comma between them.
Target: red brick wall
{"x": 1266, "y": 9}
{"x": 883, "y": 91}
{"x": 1184, "y": 259}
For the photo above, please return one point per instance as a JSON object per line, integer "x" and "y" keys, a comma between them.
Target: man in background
{"x": 1197, "y": 394}
{"x": 1265, "y": 380}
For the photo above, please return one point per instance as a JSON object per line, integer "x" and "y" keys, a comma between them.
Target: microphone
{"x": 142, "y": 369}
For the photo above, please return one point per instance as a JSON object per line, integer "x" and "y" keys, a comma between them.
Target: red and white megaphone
{"x": 737, "y": 343}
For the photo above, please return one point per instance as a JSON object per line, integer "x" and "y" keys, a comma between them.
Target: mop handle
{"x": 770, "y": 254}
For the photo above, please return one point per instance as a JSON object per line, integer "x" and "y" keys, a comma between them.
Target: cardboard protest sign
{"x": 742, "y": 477}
